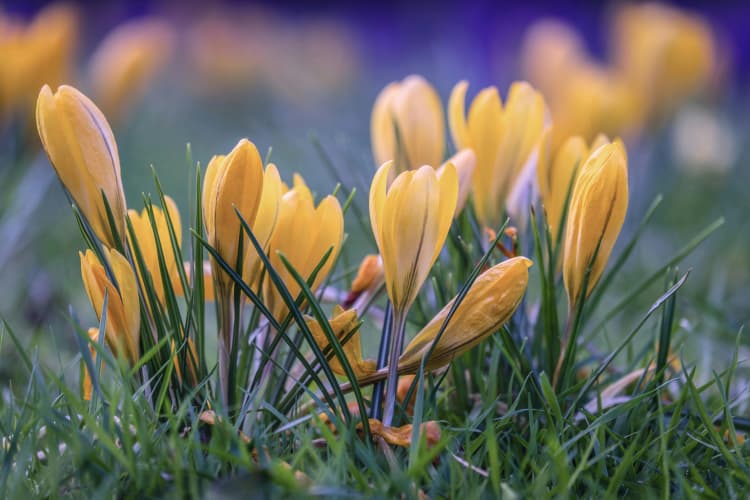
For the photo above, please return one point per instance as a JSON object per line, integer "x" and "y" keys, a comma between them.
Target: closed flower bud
{"x": 123, "y": 310}
{"x": 238, "y": 180}
{"x": 407, "y": 125}
{"x": 303, "y": 233}
{"x": 410, "y": 221}
{"x": 595, "y": 216}
{"x": 344, "y": 325}
{"x": 127, "y": 61}
{"x": 147, "y": 243}
{"x": 490, "y": 302}
{"x": 82, "y": 149}
{"x": 503, "y": 140}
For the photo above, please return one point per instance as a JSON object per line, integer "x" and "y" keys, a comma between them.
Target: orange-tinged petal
{"x": 490, "y": 302}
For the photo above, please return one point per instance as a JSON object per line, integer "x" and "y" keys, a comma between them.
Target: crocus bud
{"x": 82, "y": 149}
{"x": 344, "y": 325}
{"x": 127, "y": 61}
{"x": 407, "y": 125}
{"x": 595, "y": 216}
{"x": 146, "y": 239}
{"x": 502, "y": 139}
{"x": 238, "y": 180}
{"x": 123, "y": 309}
{"x": 489, "y": 303}
{"x": 304, "y": 233}
{"x": 410, "y": 221}
{"x": 465, "y": 162}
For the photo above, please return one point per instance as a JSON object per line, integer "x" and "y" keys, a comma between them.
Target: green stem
{"x": 391, "y": 384}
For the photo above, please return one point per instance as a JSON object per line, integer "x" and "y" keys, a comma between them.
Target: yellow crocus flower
{"x": 556, "y": 171}
{"x": 238, "y": 180}
{"x": 127, "y": 61}
{"x": 343, "y": 323}
{"x": 144, "y": 235}
{"x": 123, "y": 309}
{"x": 303, "y": 234}
{"x": 410, "y": 221}
{"x": 489, "y": 303}
{"x": 503, "y": 140}
{"x": 597, "y": 211}
{"x": 83, "y": 151}
{"x": 407, "y": 125}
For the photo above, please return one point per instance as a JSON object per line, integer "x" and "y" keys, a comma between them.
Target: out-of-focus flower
{"x": 147, "y": 243}
{"x": 585, "y": 97}
{"x": 407, "y": 125}
{"x": 597, "y": 211}
{"x": 550, "y": 49}
{"x": 556, "y": 171}
{"x": 238, "y": 180}
{"x": 503, "y": 139}
{"x": 344, "y": 325}
{"x": 593, "y": 100}
{"x": 410, "y": 221}
{"x": 665, "y": 53}
{"x": 83, "y": 151}
{"x": 123, "y": 310}
{"x": 40, "y": 53}
{"x": 304, "y": 233}
{"x": 465, "y": 162}
{"x": 127, "y": 61}
{"x": 490, "y": 302}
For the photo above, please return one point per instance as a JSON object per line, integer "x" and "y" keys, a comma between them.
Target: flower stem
{"x": 391, "y": 383}
{"x": 225, "y": 348}
{"x": 376, "y": 406}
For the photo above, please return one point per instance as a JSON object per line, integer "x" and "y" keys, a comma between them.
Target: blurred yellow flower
{"x": 490, "y": 302}
{"x": 35, "y": 54}
{"x": 503, "y": 140}
{"x": 147, "y": 243}
{"x": 410, "y": 221}
{"x": 343, "y": 323}
{"x": 597, "y": 211}
{"x": 665, "y": 53}
{"x": 127, "y": 61}
{"x": 407, "y": 125}
{"x": 83, "y": 151}
{"x": 238, "y": 180}
{"x": 304, "y": 233}
{"x": 123, "y": 309}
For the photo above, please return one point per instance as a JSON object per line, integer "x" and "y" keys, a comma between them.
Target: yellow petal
{"x": 82, "y": 149}
{"x": 343, "y": 323}
{"x": 597, "y": 211}
{"x": 264, "y": 223}
{"x": 457, "y": 116}
{"x": 490, "y": 302}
